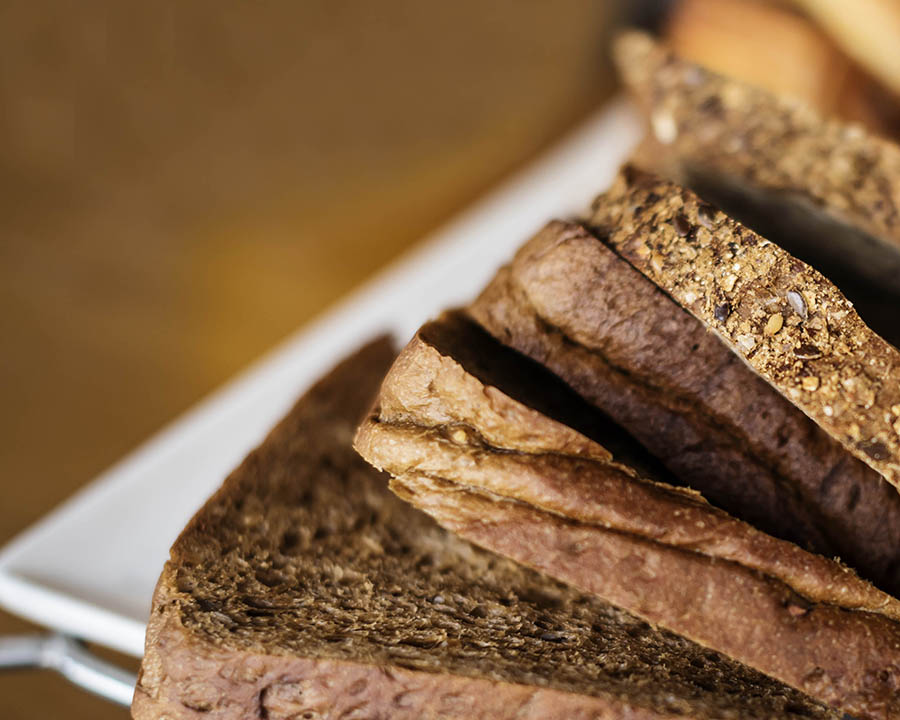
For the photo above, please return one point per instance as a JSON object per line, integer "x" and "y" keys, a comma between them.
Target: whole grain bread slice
{"x": 457, "y": 424}
{"x": 782, "y": 317}
{"x": 570, "y": 302}
{"x": 827, "y": 191}
{"x": 304, "y": 589}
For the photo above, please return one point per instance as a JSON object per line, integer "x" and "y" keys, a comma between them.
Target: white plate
{"x": 89, "y": 568}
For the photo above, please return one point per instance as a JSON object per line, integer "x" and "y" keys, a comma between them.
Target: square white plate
{"x": 89, "y": 568}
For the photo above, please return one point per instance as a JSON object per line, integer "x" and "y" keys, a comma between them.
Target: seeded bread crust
{"x": 511, "y": 479}
{"x": 304, "y": 589}
{"x": 787, "y": 321}
{"x": 569, "y": 302}
{"x": 777, "y": 144}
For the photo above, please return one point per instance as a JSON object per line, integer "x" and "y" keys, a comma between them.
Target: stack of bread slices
{"x": 651, "y": 471}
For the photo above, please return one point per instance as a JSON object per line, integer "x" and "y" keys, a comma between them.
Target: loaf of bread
{"x": 305, "y": 589}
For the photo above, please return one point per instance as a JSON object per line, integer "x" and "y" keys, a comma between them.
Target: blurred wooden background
{"x": 184, "y": 186}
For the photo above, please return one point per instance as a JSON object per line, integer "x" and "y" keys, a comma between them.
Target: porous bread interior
{"x": 305, "y": 552}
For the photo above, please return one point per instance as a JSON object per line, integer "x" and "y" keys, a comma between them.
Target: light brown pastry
{"x": 775, "y": 46}
{"x": 867, "y": 33}
{"x": 761, "y": 43}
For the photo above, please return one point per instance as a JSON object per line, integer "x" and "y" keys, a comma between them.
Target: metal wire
{"x": 70, "y": 659}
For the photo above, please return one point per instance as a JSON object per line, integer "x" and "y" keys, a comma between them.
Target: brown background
{"x": 182, "y": 187}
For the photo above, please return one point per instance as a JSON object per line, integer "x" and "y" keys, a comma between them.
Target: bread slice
{"x": 304, "y": 589}
{"x": 827, "y": 191}
{"x": 568, "y": 301}
{"x": 485, "y": 440}
{"x": 784, "y": 319}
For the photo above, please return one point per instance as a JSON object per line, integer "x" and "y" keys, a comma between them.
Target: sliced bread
{"x": 304, "y": 589}
{"x": 501, "y": 452}
{"x": 570, "y": 302}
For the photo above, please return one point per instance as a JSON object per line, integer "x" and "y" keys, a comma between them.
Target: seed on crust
{"x": 798, "y": 305}
{"x": 774, "y": 324}
{"x": 807, "y": 351}
{"x": 810, "y": 383}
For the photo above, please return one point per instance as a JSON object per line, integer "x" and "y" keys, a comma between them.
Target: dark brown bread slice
{"x": 571, "y": 303}
{"x": 826, "y": 191}
{"x": 787, "y": 321}
{"x": 501, "y": 473}
{"x": 304, "y": 589}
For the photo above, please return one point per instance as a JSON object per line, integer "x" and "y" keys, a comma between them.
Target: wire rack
{"x": 71, "y": 659}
